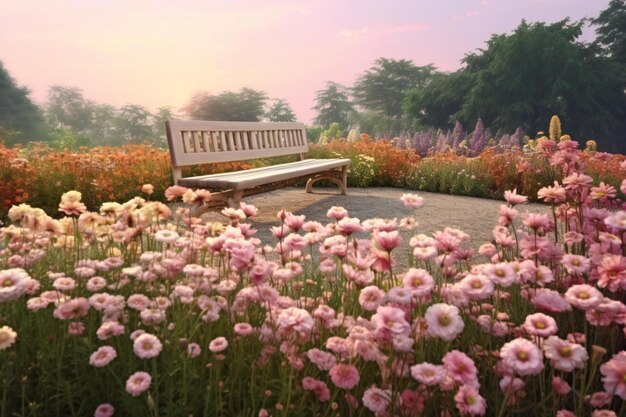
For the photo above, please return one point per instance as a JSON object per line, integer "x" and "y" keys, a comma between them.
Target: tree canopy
{"x": 333, "y": 106}
{"x": 20, "y": 119}
{"x": 382, "y": 88}
{"x": 280, "y": 111}
{"x": 611, "y": 30}
{"x": 245, "y": 105}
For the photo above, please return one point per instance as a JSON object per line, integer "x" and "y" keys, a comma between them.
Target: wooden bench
{"x": 193, "y": 142}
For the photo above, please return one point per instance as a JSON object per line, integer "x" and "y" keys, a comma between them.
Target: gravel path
{"x": 474, "y": 216}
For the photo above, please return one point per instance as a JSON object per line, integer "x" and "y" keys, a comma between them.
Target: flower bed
{"x": 136, "y": 310}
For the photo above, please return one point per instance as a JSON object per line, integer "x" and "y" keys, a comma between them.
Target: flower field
{"x": 134, "y": 309}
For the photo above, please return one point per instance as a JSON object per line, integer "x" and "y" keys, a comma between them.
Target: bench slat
{"x": 240, "y": 180}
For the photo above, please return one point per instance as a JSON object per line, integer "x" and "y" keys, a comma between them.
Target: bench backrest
{"x": 194, "y": 142}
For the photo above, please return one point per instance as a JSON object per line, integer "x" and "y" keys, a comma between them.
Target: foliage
{"x": 313, "y": 133}
{"x": 333, "y": 106}
{"x": 20, "y": 119}
{"x": 334, "y": 131}
{"x": 245, "y": 105}
{"x": 280, "y": 111}
{"x": 611, "y": 30}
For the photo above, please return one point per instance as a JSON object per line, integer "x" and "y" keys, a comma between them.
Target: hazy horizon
{"x": 160, "y": 53}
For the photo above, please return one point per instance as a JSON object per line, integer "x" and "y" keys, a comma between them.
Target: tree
{"x": 134, "y": 123}
{"x": 20, "y": 119}
{"x": 333, "y": 105}
{"x": 67, "y": 108}
{"x": 539, "y": 70}
{"x": 433, "y": 104}
{"x": 383, "y": 87}
{"x": 280, "y": 111}
{"x": 158, "y": 124}
{"x": 611, "y": 30}
{"x": 104, "y": 130}
{"x": 246, "y": 105}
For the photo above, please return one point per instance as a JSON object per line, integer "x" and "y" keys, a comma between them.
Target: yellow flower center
{"x": 540, "y": 325}
{"x": 565, "y": 351}
{"x": 7, "y": 282}
{"x": 146, "y": 345}
{"x": 476, "y": 284}
{"x": 583, "y": 295}
{"x": 522, "y": 356}
{"x": 444, "y": 320}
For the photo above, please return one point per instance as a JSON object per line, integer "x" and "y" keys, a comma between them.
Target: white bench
{"x": 193, "y": 142}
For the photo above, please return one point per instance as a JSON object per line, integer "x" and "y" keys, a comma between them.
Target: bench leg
{"x": 235, "y": 199}
{"x": 344, "y": 180}
{"x": 339, "y": 182}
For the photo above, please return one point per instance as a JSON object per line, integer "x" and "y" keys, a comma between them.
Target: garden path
{"x": 475, "y": 216}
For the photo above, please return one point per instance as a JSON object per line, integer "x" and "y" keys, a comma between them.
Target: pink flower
{"x": 344, "y": 376}
{"x": 7, "y": 337}
{"x": 243, "y": 329}
{"x": 522, "y": 356}
{"x": 614, "y": 375}
{"x": 175, "y": 191}
{"x": 72, "y": 309}
{"x": 460, "y": 367}
{"x": 323, "y": 360}
{"x": 603, "y": 413}
{"x": 412, "y": 200}
{"x": 419, "y": 282}
{"x": 390, "y": 322}
{"x": 539, "y": 324}
{"x": 104, "y": 410}
{"x": 387, "y": 240}
{"x": 295, "y": 319}
{"x": 513, "y": 198}
{"x": 469, "y": 401}
{"x": 218, "y": 344}
{"x": 501, "y": 273}
{"x": 376, "y": 400}
{"x": 13, "y": 283}
{"x": 612, "y": 272}
{"x": 337, "y": 213}
{"x": 549, "y": 301}
{"x": 71, "y": 204}
{"x": 560, "y": 386}
{"x": 583, "y": 296}
{"x": 427, "y": 373}
{"x": 476, "y": 286}
{"x": 102, "y": 357}
{"x": 138, "y": 383}
{"x": 147, "y": 346}
{"x": 575, "y": 264}
{"x": 444, "y": 321}
{"x": 109, "y": 329}
{"x": 554, "y": 194}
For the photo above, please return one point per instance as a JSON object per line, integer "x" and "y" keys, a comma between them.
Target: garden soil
{"x": 475, "y": 216}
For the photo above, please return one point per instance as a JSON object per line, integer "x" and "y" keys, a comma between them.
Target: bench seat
{"x": 250, "y": 178}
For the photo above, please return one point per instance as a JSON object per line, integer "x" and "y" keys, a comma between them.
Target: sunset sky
{"x": 159, "y": 52}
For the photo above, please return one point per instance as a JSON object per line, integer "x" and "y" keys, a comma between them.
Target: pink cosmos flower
{"x": 583, "y": 296}
{"x": 193, "y": 350}
{"x": 428, "y": 374}
{"x": 138, "y": 383}
{"x": 243, "y": 329}
{"x": 387, "y": 240}
{"x": 612, "y": 272}
{"x": 371, "y": 297}
{"x": 376, "y": 400}
{"x": 147, "y": 346}
{"x": 469, "y": 402}
{"x": 419, "y": 282}
{"x": 614, "y": 375}
{"x": 564, "y": 355}
{"x": 174, "y": 192}
{"x": 13, "y": 283}
{"x": 218, "y": 344}
{"x": 390, "y": 322}
{"x": 399, "y": 295}
{"x": 102, "y": 357}
{"x": 539, "y": 324}
{"x": 560, "y": 386}
{"x": 548, "y": 301}
{"x": 501, "y": 273}
{"x": 344, "y": 376}
{"x": 323, "y": 360}
{"x": 104, "y": 410}
{"x": 295, "y": 319}
{"x": 603, "y": 413}
{"x": 513, "y": 198}
{"x": 7, "y": 337}
{"x": 602, "y": 192}
{"x": 412, "y": 200}
{"x": 72, "y": 309}
{"x": 337, "y": 213}
{"x": 476, "y": 287}
{"x": 554, "y": 194}
{"x": 522, "y": 356}
{"x": 575, "y": 264}
{"x": 444, "y": 321}
{"x": 460, "y": 367}
{"x": 109, "y": 329}
{"x": 71, "y": 204}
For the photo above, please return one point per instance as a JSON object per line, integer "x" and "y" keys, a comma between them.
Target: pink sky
{"x": 157, "y": 53}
